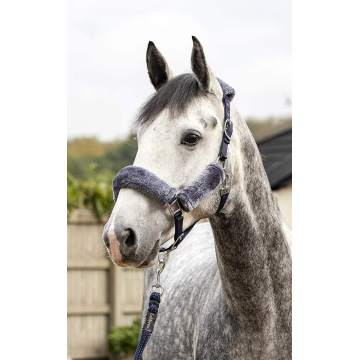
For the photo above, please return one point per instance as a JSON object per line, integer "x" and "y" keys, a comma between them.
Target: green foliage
{"x": 102, "y": 156}
{"x": 94, "y": 194}
{"x": 123, "y": 340}
{"x": 88, "y": 147}
{"x": 90, "y": 172}
{"x": 120, "y": 155}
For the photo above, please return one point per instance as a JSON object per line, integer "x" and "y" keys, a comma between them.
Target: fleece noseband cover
{"x": 144, "y": 181}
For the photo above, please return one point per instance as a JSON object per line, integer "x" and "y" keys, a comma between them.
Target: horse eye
{"x": 190, "y": 139}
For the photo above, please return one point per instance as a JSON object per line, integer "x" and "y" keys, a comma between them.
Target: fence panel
{"x": 100, "y": 295}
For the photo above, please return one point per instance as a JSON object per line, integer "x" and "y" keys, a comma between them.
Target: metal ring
{"x": 227, "y": 121}
{"x": 157, "y": 288}
{"x": 174, "y": 207}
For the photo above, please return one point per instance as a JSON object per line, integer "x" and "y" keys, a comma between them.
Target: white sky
{"x": 246, "y": 43}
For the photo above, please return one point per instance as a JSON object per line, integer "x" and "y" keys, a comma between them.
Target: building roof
{"x": 276, "y": 152}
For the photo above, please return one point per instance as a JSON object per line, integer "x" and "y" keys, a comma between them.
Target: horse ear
{"x": 205, "y": 76}
{"x": 158, "y": 69}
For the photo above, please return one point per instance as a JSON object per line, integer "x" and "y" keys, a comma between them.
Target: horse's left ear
{"x": 205, "y": 76}
{"x": 157, "y": 66}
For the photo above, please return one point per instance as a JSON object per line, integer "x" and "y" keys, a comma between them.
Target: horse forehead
{"x": 165, "y": 127}
{"x": 205, "y": 107}
{"x": 200, "y": 115}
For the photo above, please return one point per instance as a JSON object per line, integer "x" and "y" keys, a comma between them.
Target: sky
{"x": 246, "y": 43}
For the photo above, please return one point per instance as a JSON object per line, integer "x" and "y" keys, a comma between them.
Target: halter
{"x": 187, "y": 199}
{"x": 178, "y": 202}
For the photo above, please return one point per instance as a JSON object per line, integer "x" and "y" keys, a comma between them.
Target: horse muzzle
{"x": 124, "y": 249}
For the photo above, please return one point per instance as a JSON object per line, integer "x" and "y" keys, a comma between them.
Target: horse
{"x": 227, "y": 287}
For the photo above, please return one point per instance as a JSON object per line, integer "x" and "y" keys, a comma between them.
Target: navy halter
{"x": 188, "y": 198}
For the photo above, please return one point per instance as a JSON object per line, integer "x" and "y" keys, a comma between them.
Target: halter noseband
{"x": 187, "y": 199}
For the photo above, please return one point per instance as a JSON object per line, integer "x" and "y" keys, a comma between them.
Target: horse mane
{"x": 175, "y": 95}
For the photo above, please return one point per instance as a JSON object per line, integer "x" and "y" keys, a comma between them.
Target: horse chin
{"x": 150, "y": 260}
{"x": 147, "y": 264}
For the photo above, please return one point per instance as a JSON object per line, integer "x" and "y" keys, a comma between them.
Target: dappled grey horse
{"x": 227, "y": 288}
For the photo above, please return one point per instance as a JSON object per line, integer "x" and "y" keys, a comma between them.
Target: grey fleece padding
{"x": 144, "y": 181}
{"x": 208, "y": 180}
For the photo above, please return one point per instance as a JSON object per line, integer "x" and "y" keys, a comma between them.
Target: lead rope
{"x": 153, "y": 308}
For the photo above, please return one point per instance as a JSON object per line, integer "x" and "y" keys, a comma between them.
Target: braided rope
{"x": 148, "y": 325}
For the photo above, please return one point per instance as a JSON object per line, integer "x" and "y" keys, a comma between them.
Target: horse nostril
{"x": 130, "y": 239}
{"x": 127, "y": 239}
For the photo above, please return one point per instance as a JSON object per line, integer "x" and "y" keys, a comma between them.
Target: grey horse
{"x": 228, "y": 285}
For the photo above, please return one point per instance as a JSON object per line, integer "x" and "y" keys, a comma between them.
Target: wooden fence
{"x": 100, "y": 295}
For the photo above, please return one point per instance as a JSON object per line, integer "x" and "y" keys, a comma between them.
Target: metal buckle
{"x": 174, "y": 207}
{"x": 228, "y": 137}
{"x": 225, "y": 186}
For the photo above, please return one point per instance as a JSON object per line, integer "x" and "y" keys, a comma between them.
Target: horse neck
{"x": 252, "y": 252}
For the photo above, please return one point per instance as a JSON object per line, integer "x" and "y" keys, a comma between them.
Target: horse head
{"x": 179, "y": 131}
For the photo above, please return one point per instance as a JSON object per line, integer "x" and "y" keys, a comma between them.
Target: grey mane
{"x": 175, "y": 95}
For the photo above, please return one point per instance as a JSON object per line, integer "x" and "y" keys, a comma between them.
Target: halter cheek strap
{"x": 228, "y": 95}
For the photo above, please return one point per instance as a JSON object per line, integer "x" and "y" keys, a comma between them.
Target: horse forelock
{"x": 175, "y": 95}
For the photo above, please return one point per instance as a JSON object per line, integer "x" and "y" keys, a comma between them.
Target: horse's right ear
{"x": 158, "y": 68}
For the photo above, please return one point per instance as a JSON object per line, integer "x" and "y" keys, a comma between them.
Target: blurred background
{"x": 247, "y": 44}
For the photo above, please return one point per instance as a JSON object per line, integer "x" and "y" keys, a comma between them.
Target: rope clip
{"x": 159, "y": 269}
